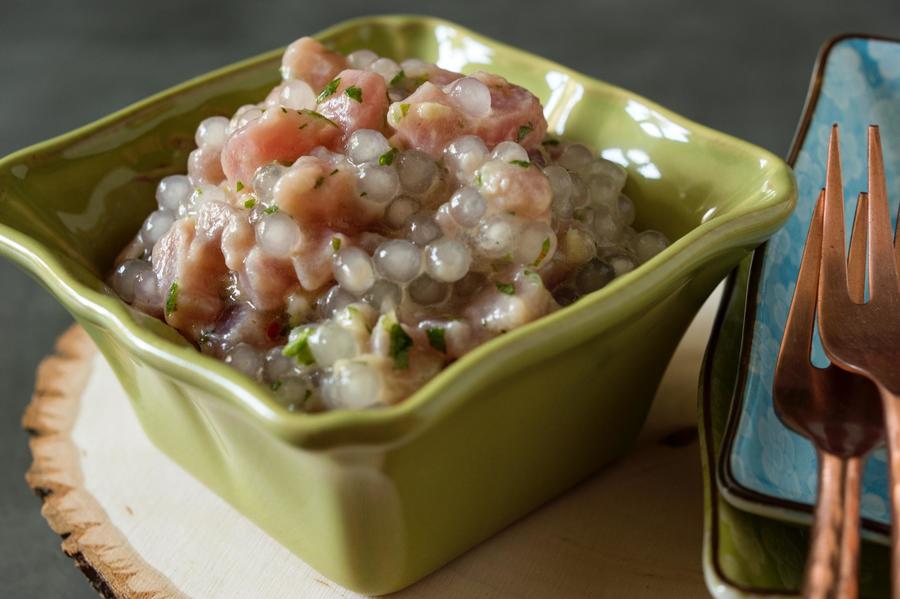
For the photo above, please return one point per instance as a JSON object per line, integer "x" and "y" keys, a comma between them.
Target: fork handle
{"x": 891, "y": 404}
{"x": 848, "y": 573}
{"x": 823, "y": 564}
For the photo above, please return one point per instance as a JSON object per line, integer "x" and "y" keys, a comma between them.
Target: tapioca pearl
{"x": 574, "y": 157}
{"x": 508, "y": 151}
{"x": 367, "y": 241}
{"x": 292, "y": 392}
{"x": 387, "y": 68}
{"x": 496, "y": 236}
{"x": 398, "y": 260}
{"x": 125, "y": 278}
{"x": 297, "y": 95}
{"x": 625, "y": 210}
{"x": 566, "y": 295}
{"x": 298, "y": 308}
{"x": 647, "y": 244}
{"x": 594, "y": 275}
{"x": 607, "y": 231}
{"x": 279, "y": 367}
{"x": 146, "y": 289}
{"x": 353, "y": 270}
{"x": 562, "y": 208}
{"x": 243, "y": 117}
{"x": 366, "y": 146}
{"x": 264, "y": 180}
{"x": 330, "y": 343}
{"x": 578, "y": 246}
{"x": 536, "y": 244}
{"x": 472, "y": 96}
{"x": 464, "y": 156}
{"x": 603, "y": 192}
{"x": 173, "y": 191}
{"x": 384, "y": 296}
{"x": 155, "y": 226}
{"x": 400, "y": 211}
{"x": 470, "y": 284}
{"x": 212, "y": 132}
{"x": 422, "y": 229}
{"x": 447, "y": 260}
{"x": 426, "y": 291}
{"x": 245, "y": 359}
{"x": 353, "y": 385}
{"x": 334, "y": 300}
{"x": 417, "y": 171}
{"x": 560, "y": 182}
{"x": 467, "y": 206}
{"x": 360, "y": 59}
{"x": 378, "y": 184}
{"x": 621, "y": 263}
{"x": 581, "y": 193}
{"x": 277, "y": 234}
{"x": 600, "y": 167}
{"x": 415, "y": 67}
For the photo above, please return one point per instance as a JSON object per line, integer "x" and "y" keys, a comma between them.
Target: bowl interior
{"x": 67, "y": 206}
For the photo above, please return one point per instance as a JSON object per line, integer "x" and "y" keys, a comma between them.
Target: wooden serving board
{"x": 139, "y": 526}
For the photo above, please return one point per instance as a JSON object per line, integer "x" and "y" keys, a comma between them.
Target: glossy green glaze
{"x": 746, "y": 555}
{"x": 377, "y": 499}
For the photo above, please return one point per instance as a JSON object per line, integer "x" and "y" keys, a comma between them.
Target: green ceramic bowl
{"x": 377, "y": 499}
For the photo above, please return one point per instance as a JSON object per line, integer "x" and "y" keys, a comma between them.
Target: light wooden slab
{"x": 140, "y": 527}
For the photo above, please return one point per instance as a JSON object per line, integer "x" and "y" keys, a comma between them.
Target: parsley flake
{"x": 303, "y": 126}
{"x": 239, "y": 185}
{"x": 524, "y": 130}
{"x": 298, "y": 346}
{"x": 436, "y": 339}
{"x": 249, "y": 203}
{"x": 522, "y": 163}
{"x": 276, "y": 385}
{"x": 400, "y": 344}
{"x": 172, "y": 299}
{"x": 404, "y": 109}
{"x": 328, "y": 90}
{"x": 334, "y": 172}
{"x": 271, "y": 209}
{"x": 507, "y": 288}
{"x": 387, "y": 158}
{"x": 545, "y": 249}
{"x": 550, "y": 142}
{"x": 319, "y": 181}
{"x": 336, "y": 243}
{"x": 315, "y": 115}
{"x": 354, "y": 92}
{"x": 398, "y": 78}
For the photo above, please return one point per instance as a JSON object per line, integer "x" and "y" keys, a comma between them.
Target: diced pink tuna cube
{"x": 359, "y": 101}
{"x": 309, "y": 60}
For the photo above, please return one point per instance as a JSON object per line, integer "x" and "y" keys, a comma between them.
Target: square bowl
{"x": 377, "y": 499}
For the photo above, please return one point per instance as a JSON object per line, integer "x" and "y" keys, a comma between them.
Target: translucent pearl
{"x": 604, "y": 192}
{"x": 594, "y": 275}
{"x": 330, "y": 343}
{"x": 414, "y": 67}
{"x": 607, "y": 231}
{"x": 353, "y": 385}
{"x": 278, "y": 366}
{"x": 366, "y": 145}
{"x": 398, "y": 260}
{"x": 297, "y": 95}
{"x": 447, "y": 260}
{"x": 621, "y": 263}
{"x": 379, "y": 184}
{"x": 264, "y": 180}
{"x": 298, "y": 307}
{"x": 335, "y": 300}
{"x": 422, "y": 229}
{"x": 560, "y": 182}
{"x": 245, "y": 359}
{"x": 387, "y": 68}
{"x": 626, "y": 210}
{"x": 400, "y": 211}
{"x": 535, "y": 245}
{"x": 472, "y": 96}
{"x": 574, "y": 157}
{"x": 146, "y": 289}
{"x": 467, "y": 206}
{"x": 212, "y": 132}
{"x": 157, "y": 224}
{"x": 426, "y": 291}
{"x": 361, "y": 59}
{"x": 496, "y": 236}
{"x": 507, "y": 151}
{"x": 173, "y": 191}
{"x": 581, "y": 195}
{"x": 244, "y": 116}
{"x": 352, "y": 268}
{"x": 126, "y": 276}
{"x": 292, "y": 392}
{"x": 277, "y": 234}
{"x": 600, "y": 167}
{"x": 464, "y": 156}
{"x": 566, "y": 295}
{"x": 649, "y": 243}
{"x": 384, "y": 296}
{"x": 470, "y": 284}
{"x": 417, "y": 171}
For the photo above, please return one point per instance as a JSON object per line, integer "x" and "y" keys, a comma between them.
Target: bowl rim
{"x": 386, "y": 424}
{"x": 732, "y": 490}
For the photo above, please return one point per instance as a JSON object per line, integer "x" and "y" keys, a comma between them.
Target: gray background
{"x": 739, "y": 67}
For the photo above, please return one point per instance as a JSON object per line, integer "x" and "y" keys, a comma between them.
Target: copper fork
{"x": 838, "y": 411}
{"x": 865, "y": 337}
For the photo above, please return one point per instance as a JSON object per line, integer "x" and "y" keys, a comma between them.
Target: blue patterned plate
{"x": 766, "y": 468}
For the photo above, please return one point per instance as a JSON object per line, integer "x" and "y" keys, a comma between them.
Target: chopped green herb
{"x": 478, "y": 182}
{"x": 398, "y": 78}
{"x": 354, "y": 92}
{"x": 336, "y": 244}
{"x": 436, "y": 339}
{"x": 271, "y": 209}
{"x": 276, "y": 385}
{"x": 303, "y": 126}
{"x": 198, "y": 191}
{"x": 524, "y": 130}
{"x": 404, "y": 109}
{"x": 387, "y": 158}
{"x": 400, "y": 344}
{"x": 545, "y": 249}
{"x": 298, "y": 346}
{"x": 334, "y": 172}
{"x": 522, "y": 163}
{"x": 315, "y": 115}
{"x": 239, "y": 185}
{"x": 172, "y": 299}
{"x": 364, "y": 194}
{"x": 306, "y": 395}
{"x": 550, "y": 142}
{"x": 460, "y": 124}
{"x": 284, "y": 110}
{"x": 319, "y": 181}
{"x": 249, "y": 203}
{"x": 328, "y": 90}
{"x": 507, "y": 288}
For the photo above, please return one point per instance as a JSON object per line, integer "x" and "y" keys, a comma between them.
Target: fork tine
{"x": 796, "y": 344}
{"x": 833, "y": 275}
{"x": 882, "y": 271}
{"x": 856, "y": 259}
